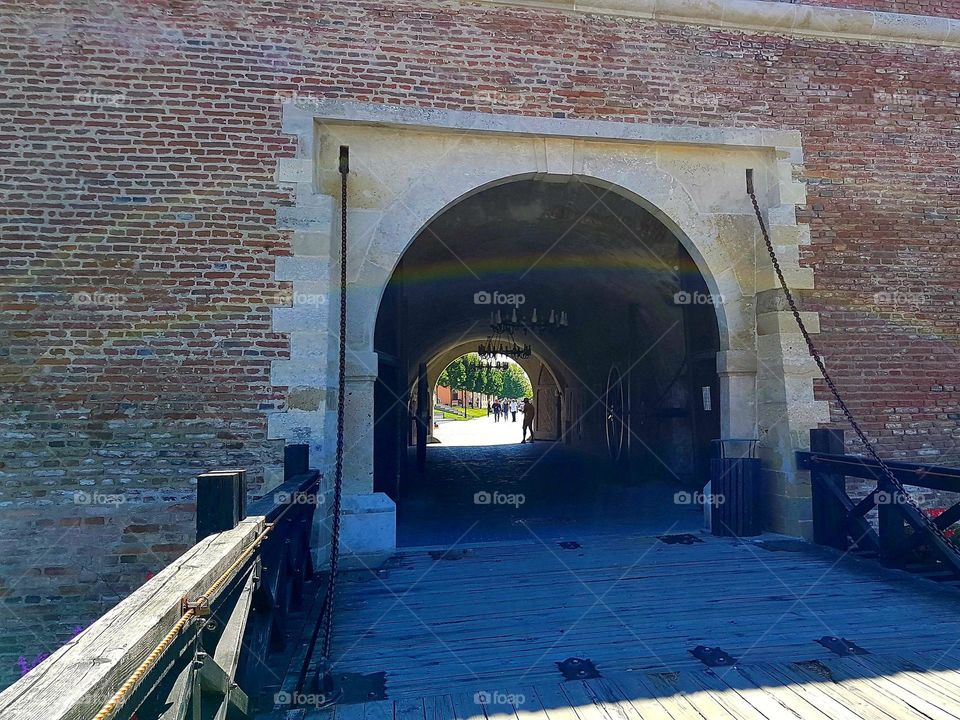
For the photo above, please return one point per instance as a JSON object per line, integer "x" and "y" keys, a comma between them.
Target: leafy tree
{"x": 454, "y": 375}
{"x": 493, "y": 384}
{"x": 468, "y": 374}
{"x": 474, "y": 375}
{"x": 515, "y": 382}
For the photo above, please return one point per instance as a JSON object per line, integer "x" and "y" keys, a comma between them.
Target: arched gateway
{"x": 417, "y": 171}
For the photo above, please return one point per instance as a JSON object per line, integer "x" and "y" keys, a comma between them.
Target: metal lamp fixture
{"x": 515, "y": 321}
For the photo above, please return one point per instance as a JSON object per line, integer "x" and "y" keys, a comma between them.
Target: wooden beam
{"x": 829, "y": 515}
{"x": 79, "y": 677}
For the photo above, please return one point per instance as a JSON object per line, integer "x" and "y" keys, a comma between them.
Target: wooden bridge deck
{"x": 497, "y": 618}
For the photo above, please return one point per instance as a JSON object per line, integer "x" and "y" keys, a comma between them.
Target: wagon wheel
{"x": 613, "y": 413}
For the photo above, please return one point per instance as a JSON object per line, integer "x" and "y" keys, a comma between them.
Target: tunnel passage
{"x": 632, "y": 379}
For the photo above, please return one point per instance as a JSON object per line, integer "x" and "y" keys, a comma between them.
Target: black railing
{"x": 901, "y": 536}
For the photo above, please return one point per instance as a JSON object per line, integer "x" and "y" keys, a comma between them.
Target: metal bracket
{"x": 841, "y": 646}
{"x": 200, "y": 606}
{"x": 578, "y": 669}
{"x": 713, "y": 656}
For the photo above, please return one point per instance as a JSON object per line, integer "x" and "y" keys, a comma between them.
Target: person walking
{"x": 496, "y": 411}
{"x": 528, "y": 412}
{"x": 513, "y": 410}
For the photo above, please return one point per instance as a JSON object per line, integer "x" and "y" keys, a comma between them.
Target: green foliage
{"x": 454, "y": 375}
{"x": 467, "y": 373}
{"x": 516, "y": 384}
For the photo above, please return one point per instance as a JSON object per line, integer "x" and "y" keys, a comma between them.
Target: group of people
{"x": 505, "y": 408}
{"x": 510, "y": 407}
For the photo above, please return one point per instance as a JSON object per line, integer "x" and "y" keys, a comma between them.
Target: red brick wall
{"x": 137, "y": 234}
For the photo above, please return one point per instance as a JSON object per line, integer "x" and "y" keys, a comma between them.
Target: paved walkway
{"x": 472, "y": 492}
{"x": 482, "y": 431}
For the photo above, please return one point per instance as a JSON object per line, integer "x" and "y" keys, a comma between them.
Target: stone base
{"x": 368, "y": 530}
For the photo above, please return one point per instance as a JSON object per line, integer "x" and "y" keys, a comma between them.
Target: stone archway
{"x": 548, "y": 385}
{"x": 411, "y": 165}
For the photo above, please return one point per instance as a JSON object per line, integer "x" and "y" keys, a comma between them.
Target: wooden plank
{"x": 487, "y": 634}
{"x": 82, "y": 675}
{"x": 556, "y": 705}
{"x": 497, "y": 705}
{"x": 584, "y": 703}
{"x": 635, "y": 705}
{"x": 865, "y": 700}
{"x": 733, "y": 703}
{"x": 703, "y": 702}
{"x": 409, "y": 709}
{"x": 659, "y": 686}
{"x": 435, "y": 707}
{"x": 378, "y": 710}
{"x": 776, "y": 675}
{"x": 913, "y": 680}
{"x": 882, "y": 690}
{"x": 466, "y": 707}
{"x": 527, "y": 705}
{"x": 227, "y": 652}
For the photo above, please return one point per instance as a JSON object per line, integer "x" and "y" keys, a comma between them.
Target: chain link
{"x": 899, "y": 493}
{"x": 328, "y": 601}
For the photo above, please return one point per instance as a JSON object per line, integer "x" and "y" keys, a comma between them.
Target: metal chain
{"x": 899, "y": 492}
{"x": 328, "y": 600}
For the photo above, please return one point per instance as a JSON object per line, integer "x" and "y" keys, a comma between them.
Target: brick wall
{"x": 137, "y": 238}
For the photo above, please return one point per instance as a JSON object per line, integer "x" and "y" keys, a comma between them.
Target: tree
{"x": 494, "y": 383}
{"x": 454, "y": 375}
{"x": 515, "y": 382}
{"x": 467, "y": 373}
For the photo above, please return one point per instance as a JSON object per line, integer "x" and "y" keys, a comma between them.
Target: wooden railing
{"x": 241, "y": 580}
{"x": 902, "y": 536}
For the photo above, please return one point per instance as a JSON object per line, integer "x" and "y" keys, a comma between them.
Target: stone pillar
{"x": 737, "y": 371}
{"x": 368, "y": 519}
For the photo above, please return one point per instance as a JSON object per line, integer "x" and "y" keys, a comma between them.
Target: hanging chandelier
{"x": 497, "y": 344}
{"x": 516, "y": 322}
{"x": 503, "y": 328}
{"x": 489, "y": 365}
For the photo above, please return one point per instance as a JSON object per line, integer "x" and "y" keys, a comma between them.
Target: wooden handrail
{"x": 77, "y": 679}
{"x": 935, "y": 477}
{"x": 901, "y": 534}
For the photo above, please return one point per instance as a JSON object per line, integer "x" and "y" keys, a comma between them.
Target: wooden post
{"x": 221, "y": 501}
{"x": 828, "y": 513}
{"x": 296, "y": 460}
{"x": 891, "y": 528}
{"x": 423, "y": 415}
